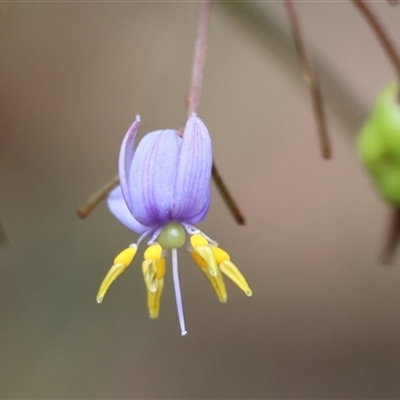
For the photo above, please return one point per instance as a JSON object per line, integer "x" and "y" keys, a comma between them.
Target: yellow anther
{"x": 153, "y": 300}
{"x": 160, "y": 268}
{"x": 153, "y": 270}
{"x": 149, "y": 268}
{"x": 220, "y": 255}
{"x": 153, "y": 252}
{"x": 218, "y": 285}
{"x": 213, "y": 260}
{"x": 198, "y": 240}
{"x": 233, "y": 273}
{"x": 126, "y": 256}
{"x": 153, "y": 273}
{"x": 115, "y": 271}
{"x": 207, "y": 255}
{"x": 197, "y": 258}
{"x": 121, "y": 262}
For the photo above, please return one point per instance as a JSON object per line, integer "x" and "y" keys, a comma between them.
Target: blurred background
{"x": 324, "y": 318}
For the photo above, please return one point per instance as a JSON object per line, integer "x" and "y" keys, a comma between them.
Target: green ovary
{"x": 172, "y": 236}
{"x": 379, "y": 144}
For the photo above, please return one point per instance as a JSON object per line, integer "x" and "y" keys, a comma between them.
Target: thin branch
{"x": 393, "y": 2}
{"x": 393, "y": 237}
{"x": 97, "y": 198}
{"x": 265, "y": 31}
{"x": 227, "y": 197}
{"x": 380, "y": 32}
{"x": 311, "y": 79}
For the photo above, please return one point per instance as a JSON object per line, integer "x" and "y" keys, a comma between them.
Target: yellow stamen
{"x": 126, "y": 256}
{"x": 218, "y": 285}
{"x": 153, "y": 252}
{"x": 153, "y": 272}
{"x": 149, "y": 268}
{"x": 153, "y": 299}
{"x": 233, "y": 273}
{"x": 208, "y": 257}
{"x": 211, "y": 259}
{"x": 220, "y": 255}
{"x": 230, "y": 269}
{"x": 121, "y": 262}
{"x": 160, "y": 268}
{"x": 198, "y": 240}
{"x": 197, "y": 258}
{"x": 216, "y": 281}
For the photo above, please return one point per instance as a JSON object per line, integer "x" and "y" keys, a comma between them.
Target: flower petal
{"x": 125, "y": 160}
{"x": 192, "y": 185}
{"x": 152, "y": 177}
{"x": 118, "y": 207}
{"x": 202, "y": 214}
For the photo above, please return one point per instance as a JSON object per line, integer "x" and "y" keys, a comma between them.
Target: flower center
{"x": 172, "y": 236}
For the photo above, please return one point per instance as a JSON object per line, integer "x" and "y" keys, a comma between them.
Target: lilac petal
{"x": 202, "y": 214}
{"x": 125, "y": 160}
{"x": 152, "y": 177}
{"x": 192, "y": 185}
{"x": 118, "y": 207}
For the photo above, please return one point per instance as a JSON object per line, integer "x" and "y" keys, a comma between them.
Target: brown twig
{"x": 97, "y": 198}
{"x": 380, "y": 32}
{"x": 227, "y": 197}
{"x": 393, "y": 2}
{"x": 311, "y": 79}
{"x": 265, "y": 31}
{"x": 393, "y": 237}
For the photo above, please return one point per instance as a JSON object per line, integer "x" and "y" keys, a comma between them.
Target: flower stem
{"x": 380, "y": 32}
{"x": 199, "y": 59}
{"x": 194, "y": 98}
{"x": 97, "y": 198}
{"x": 310, "y": 78}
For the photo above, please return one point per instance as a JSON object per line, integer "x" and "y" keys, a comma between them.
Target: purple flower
{"x": 164, "y": 190}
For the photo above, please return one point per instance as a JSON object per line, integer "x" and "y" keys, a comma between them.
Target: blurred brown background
{"x": 324, "y": 318}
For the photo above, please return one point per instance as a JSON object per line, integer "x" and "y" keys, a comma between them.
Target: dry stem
{"x": 311, "y": 79}
{"x": 380, "y": 33}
